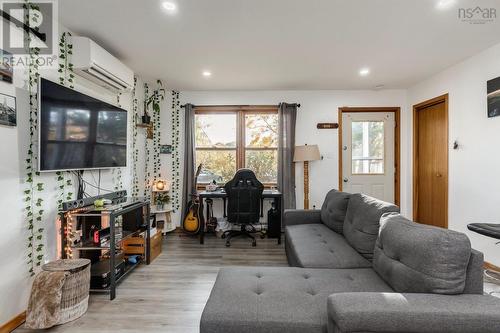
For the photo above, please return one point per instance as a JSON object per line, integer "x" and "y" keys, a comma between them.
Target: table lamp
{"x": 160, "y": 185}
{"x": 306, "y": 154}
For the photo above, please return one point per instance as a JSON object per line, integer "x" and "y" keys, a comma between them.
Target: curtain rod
{"x": 239, "y": 106}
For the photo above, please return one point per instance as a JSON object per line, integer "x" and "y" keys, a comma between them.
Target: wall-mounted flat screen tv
{"x": 79, "y": 132}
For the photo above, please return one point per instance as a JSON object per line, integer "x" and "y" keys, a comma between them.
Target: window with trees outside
{"x": 230, "y": 138}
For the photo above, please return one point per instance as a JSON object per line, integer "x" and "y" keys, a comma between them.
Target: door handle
{"x": 439, "y": 175}
{"x": 346, "y": 180}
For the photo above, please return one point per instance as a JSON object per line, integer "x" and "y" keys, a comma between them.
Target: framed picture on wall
{"x": 166, "y": 149}
{"x": 6, "y": 70}
{"x": 493, "y": 87}
{"x": 8, "y": 114}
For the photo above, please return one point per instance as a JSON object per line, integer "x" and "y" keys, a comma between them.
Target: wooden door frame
{"x": 416, "y": 108}
{"x": 397, "y": 151}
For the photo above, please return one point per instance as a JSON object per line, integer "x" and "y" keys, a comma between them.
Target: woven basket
{"x": 75, "y": 291}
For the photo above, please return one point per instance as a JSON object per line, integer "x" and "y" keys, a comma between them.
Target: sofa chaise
{"x": 357, "y": 266}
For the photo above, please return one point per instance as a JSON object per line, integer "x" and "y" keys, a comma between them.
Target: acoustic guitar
{"x": 194, "y": 213}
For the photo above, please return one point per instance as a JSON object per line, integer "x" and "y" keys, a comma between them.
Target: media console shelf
{"x": 97, "y": 233}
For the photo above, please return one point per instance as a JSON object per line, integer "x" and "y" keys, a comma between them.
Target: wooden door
{"x": 430, "y": 172}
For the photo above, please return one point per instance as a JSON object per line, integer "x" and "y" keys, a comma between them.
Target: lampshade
{"x": 306, "y": 153}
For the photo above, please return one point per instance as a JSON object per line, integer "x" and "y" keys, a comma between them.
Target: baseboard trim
{"x": 491, "y": 267}
{"x": 13, "y": 323}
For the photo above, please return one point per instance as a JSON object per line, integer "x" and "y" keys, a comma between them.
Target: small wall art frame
{"x": 165, "y": 149}
{"x": 8, "y": 114}
{"x": 6, "y": 69}
{"x": 493, "y": 87}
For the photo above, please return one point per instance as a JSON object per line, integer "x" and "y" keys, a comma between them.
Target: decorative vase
{"x": 160, "y": 206}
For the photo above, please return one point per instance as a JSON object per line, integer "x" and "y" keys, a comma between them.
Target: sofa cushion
{"x": 316, "y": 246}
{"x": 361, "y": 224}
{"x": 334, "y": 209}
{"x": 279, "y": 299}
{"x": 417, "y": 258}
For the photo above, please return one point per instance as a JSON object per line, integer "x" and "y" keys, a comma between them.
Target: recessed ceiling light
{"x": 169, "y": 6}
{"x": 364, "y": 71}
{"x": 444, "y": 4}
{"x": 206, "y": 73}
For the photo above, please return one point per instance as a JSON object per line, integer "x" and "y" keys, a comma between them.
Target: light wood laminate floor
{"x": 169, "y": 295}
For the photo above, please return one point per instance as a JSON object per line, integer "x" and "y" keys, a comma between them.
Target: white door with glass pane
{"x": 368, "y": 154}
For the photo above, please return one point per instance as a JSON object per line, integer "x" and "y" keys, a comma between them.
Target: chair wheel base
{"x": 228, "y": 244}
{"x": 254, "y": 243}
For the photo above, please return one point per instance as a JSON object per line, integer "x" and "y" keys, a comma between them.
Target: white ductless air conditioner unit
{"x": 96, "y": 64}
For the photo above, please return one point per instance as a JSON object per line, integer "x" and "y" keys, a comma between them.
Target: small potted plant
{"x": 154, "y": 100}
{"x": 146, "y": 118}
{"x": 161, "y": 200}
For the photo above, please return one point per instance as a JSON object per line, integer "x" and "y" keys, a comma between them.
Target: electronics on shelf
{"x": 74, "y": 204}
{"x": 104, "y": 233}
{"x": 100, "y": 272}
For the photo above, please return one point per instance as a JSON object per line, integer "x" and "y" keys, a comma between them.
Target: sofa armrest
{"x": 301, "y": 216}
{"x": 415, "y": 313}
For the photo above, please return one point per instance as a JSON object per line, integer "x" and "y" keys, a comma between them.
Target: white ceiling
{"x": 282, "y": 44}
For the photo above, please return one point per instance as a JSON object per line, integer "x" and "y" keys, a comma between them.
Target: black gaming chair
{"x": 244, "y": 193}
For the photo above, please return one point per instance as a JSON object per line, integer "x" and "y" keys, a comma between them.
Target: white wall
{"x": 474, "y": 177}
{"x": 317, "y": 106}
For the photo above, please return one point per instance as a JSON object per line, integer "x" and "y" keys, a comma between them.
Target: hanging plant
{"x": 117, "y": 173}
{"x": 116, "y": 178}
{"x": 152, "y": 101}
{"x": 34, "y": 187}
{"x": 175, "y": 188}
{"x": 135, "y": 150}
{"x": 147, "y": 150}
{"x": 66, "y": 78}
{"x": 66, "y": 74}
{"x": 157, "y": 97}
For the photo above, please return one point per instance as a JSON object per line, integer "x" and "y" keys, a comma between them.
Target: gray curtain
{"x": 188, "y": 187}
{"x": 286, "y": 169}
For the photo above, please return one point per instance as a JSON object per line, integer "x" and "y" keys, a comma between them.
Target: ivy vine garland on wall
{"x": 66, "y": 78}
{"x": 153, "y": 101}
{"x": 34, "y": 186}
{"x": 156, "y": 137}
{"x": 116, "y": 174}
{"x": 147, "y": 150}
{"x": 175, "y": 151}
{"x": 135, "y": 150}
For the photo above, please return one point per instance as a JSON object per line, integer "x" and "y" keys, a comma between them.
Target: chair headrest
{"x": 243, "y": 178}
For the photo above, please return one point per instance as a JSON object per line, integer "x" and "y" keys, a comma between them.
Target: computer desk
{"x": 274, "y": 195}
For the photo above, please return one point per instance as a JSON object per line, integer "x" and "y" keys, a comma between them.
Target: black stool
{"x": 487, "y": 229}
{"x": 491, "y": 230}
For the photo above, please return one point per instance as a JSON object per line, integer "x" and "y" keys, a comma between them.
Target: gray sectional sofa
{"x": 358, "y": 266}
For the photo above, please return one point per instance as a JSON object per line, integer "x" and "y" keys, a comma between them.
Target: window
{"x": 231, "y": 138}
{"x": 367, "y": 147}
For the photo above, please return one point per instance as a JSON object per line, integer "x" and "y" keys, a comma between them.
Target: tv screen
{"x": 78, "y": 131}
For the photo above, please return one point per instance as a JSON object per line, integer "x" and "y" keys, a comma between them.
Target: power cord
{"x": 82, "y": 185}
